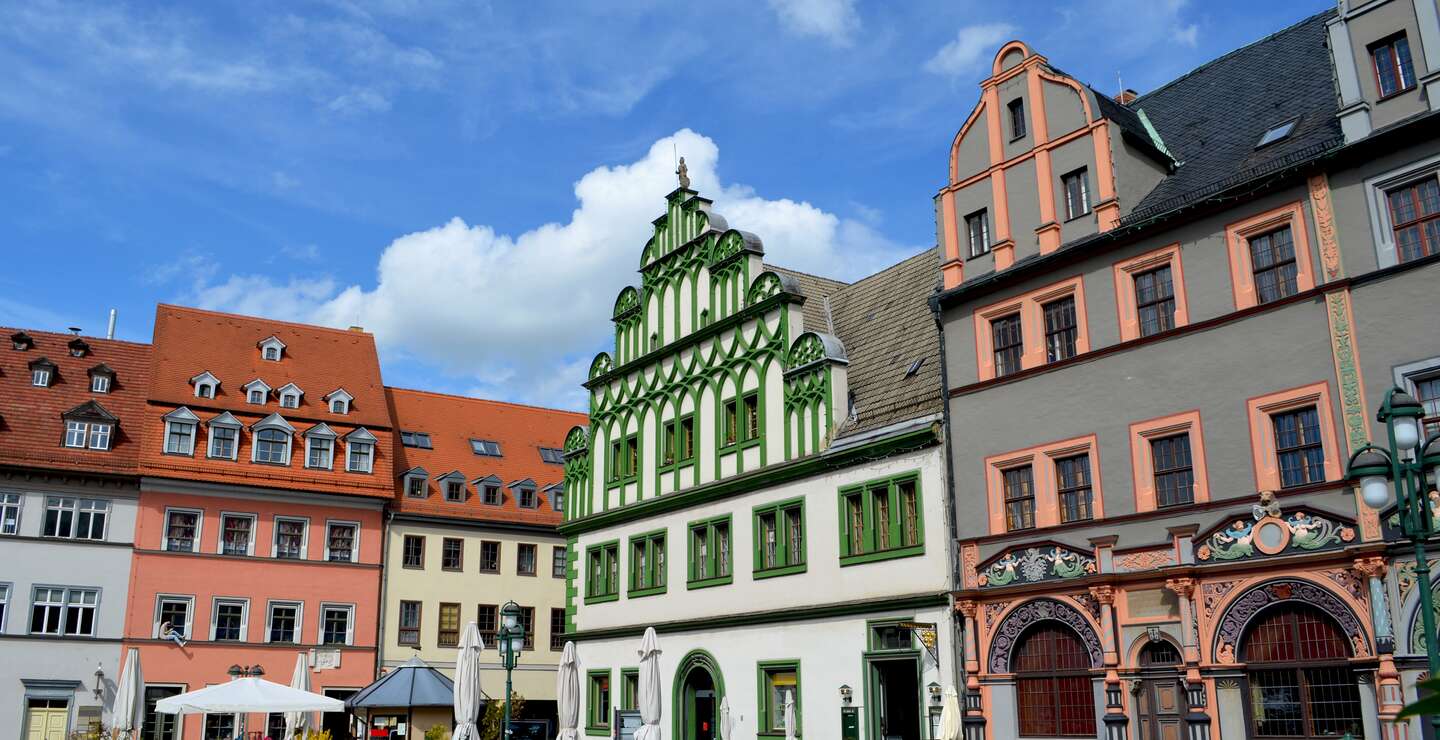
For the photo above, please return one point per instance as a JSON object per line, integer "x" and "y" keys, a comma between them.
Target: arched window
{"x": 1052, "y": 681}
{"x": 1301, "y": 685}
{"x": 1159, "y": 654}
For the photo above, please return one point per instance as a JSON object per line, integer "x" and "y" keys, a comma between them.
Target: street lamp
{"x": 1404, "y": 464}
{"x": 512, "y": 641}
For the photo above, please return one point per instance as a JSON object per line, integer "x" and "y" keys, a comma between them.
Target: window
{"x": 780, "y": 683}
{"x": 337, "y": 406}
{"x": 284, "y": 623}
{"x": 527, "y": 498}
{"x": 1427, "y": 392}
{"x": 335, "y": 624}
{"x": 340, "y": 542}
{"x": 410, "y": 623}
{"x": 882, "y": 520}
{"x": 1272, "y": 259}
{"x": 1298, "y": 448}
{"x": 1077, "y": 193}
{"x": 1019, "y": 498}
{"x": 100, "y": 384}
{"x": 448, "y": 626}
{"x": 4, "y": 602}
{"x": 290, "y": 538}
{"x": 489, "y": 557}
{"x": 1394, "y": 72}
{"x": 487, "y": 620}
{"x": 891, "y": 637}
{"x": 419, "y": 440}
{"x": 710, "y": 553}
{"x": 602, "y": 572}
{"x": 780, "y": 538}
{"x": 452, "y": 554}
{"x": 977, "y": 232}
{"x": 1276, "y": 133}
{"x": 72, "y": 518}
{"x": 630, "y": 688}
{"x": 485, "y": 447}
{"x": 1060, "y": 329}
{"x": 413, "y": 551}
{"x": 229, "y": 620}
{"x": 1174, "y": 472}
{"x": 1072, "y": 476}
{"x": 1300, "y": 683}
{"x": 257, "y": 396}
{"x": 160, "y": 726}
{"x": 222, "y": 443}
{"x": 1155, "y": 301}
{"x": 415, "y": 486}
{"x": 272, "y": 354}
{"x": 527, "y": 627}
{"x": 455, "y": 490}
{"x": 218, "y": 726}
{"x": 597, "y": 706}
{"x": 552, "y": 455}
{"x": 272, "y": 446}
{"x": 236, "y": 534}
{"x": 557, "y": 497}
{"x": 172, "y": 612}
{"x": 9, "y": 513}
{"x": 490, "y": 494}
{"x": 647, "y": 564}
{"x": 557, "y": 629}
{"x": 318, "y": 452}
{"x": 632, "y": 456}
{"x": 558, "y": 561}
{"x": 64, "y": 611}
{"x": 362, "y": 455}
{"x": 179, "y": 437}
{"x": 1017, "y": 118}
{"x": 1053, "y": 689}
{"x": 182, "y": 530}
{"x": 525, "y": 556}
{"x": 1008, "y": 343}
{"x": 94, "y": 435}
{"x": 1415, "y": 217}
{"x": 750, "y": 415}
{"x": 40, "y": 377}
{"x": 289, "y": 401}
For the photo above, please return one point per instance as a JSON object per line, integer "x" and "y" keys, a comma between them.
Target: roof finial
{"x": 684, "y": 174}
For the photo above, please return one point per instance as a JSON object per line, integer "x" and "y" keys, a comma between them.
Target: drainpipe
{"x": 380, "y": 615}
{"x": 957, "y": 650}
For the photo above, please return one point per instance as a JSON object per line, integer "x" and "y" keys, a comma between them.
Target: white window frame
{"x": 1377, "y": 189}
{"x": 169, "y": 424}
{"x": 369, "y": 457}
{"x": 1084, "y": 204}
{"x": 270, "y": 605}
{"x": 162, "y": 598}
{"x": 72, "y": 430}
{"x": 66, "y": 593}
{"x": 99, "y": 383}
{"x": 40, "y": 377}
{"x": 199, "y": 526}
{"x": 275, "y": 536}
{"x": 76, "y": 504}
{"x": 101, "y": 431}
{"x": 244, "y": 602}
{"x": 292, "y": 393}
{"x": 355, "y": 545}
{"x": 210, "y": 441}
{"x": 349, "y": 623}
{"x": 204, "y": 380}
{"x": 253, "y": 386}
{"x": 254, "y": 530}
{"x": 8, "y": 500}
{"x": 310, "y": 446}
{"x": 250, "y": 397}
{"x": 255, "y": 443}
{"x": 339, "y": 397}
{"x": 269, "y": 343}
{"x": 6, "y": 590}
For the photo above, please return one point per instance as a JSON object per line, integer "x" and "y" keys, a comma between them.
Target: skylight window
{"x": 552, "y": 455}
{"x": 415, "y": 439}
{"x": 485, "y": 447}
{"x": 914, "y": 368}
{"x": 1277, "y": 133}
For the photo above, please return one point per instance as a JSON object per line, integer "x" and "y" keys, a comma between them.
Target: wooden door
{"x": 47, "y": 719}
{"x": 1160, "y": 709}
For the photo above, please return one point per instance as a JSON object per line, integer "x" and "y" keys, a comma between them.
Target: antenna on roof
{"x": 75, "y": 330}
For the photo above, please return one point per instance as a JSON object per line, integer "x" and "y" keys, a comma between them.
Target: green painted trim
{"x": 694, "y": 659}
{"x": 872, "y": 718}
{"x": 894, "y": 526}
{"x": 756, "y": 480}
{"x": 871, "y": 624}
{"x": 647, "y": 540}
{"x": 629, "y": 699}
{"x": 875, "y": 557}
{"x": 708, "y": 526}
{"x": 572, "y": 582}
{"x": 772, "y": 616}
{"x": 599, "y": 729}
{"x": 609, "y": 552}
{"x": 779, "y": 508}
{"x": 762, "y": 696}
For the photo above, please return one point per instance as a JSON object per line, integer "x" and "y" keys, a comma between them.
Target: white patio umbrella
{"x": 245, "y": 695}
{"x": 649, "y": 687}
{"x": 790, "y": 714}
{"x": 950, "y": 715}
{"x": 467, "y": 684}
{"x": 127, "y": 714}
{"x": 297, "y": 722}
{"x": 567, "y": 694}
{"x": 727, "y": 722}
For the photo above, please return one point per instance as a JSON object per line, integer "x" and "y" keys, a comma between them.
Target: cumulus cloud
{"x": 833, "y": 20}
{"x": 1187, "y": 35}
{"x": 521, "y": 316}
{"x": 972, "y": 46}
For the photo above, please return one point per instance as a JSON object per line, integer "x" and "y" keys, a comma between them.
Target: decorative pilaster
{"x": 1106, "y": 596}
{"x": 1389, "y": 695}
{"x": 973, "y": 721}
{"x": 1197, "y": 721}
{"x": 1184, "y": 588}
{"x": 1117, "y": 725}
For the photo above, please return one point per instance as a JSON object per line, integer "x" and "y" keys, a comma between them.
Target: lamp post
{"x": 1404, "y": 463}
{"x": 512, "y": 641}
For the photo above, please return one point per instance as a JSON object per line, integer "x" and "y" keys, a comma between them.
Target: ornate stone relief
{"x": 1272, "y": 533}
{"x": 1212, "y": 593}
{"x": 1232, "y": 624}
{"x": 1035, "y": 564}
{"x": 993, "y": 610}
{"x": 1132, "y": 562}
{"x": 1030, "y": 613}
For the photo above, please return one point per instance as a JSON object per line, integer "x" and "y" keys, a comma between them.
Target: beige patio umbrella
{"x": 950, "y": 716}
{"x": 727, "y": 722}
{"x": 649, "y": 698}
{"x": 790, "y": 714}
{"x": 127, "y": 715}
{"x": 567, "y": 694}
{"x": 467, "y": 684}
{"x": 297, "y": 722}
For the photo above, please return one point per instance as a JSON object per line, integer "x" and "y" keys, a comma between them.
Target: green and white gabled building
{"x": 763, "y": 482}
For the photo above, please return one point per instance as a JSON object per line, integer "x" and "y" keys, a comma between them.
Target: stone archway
{"x": 1022, "y": 617}
{"x": 1244, "y": 608}
{"x": 699, "y": 687}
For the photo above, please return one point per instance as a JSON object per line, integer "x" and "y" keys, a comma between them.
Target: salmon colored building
{"x": 265, "y": 468}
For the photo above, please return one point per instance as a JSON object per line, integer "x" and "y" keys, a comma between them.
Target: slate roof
{"x": 816, "y": 289}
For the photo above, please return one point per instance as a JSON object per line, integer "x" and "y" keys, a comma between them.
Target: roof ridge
{"x": 64, "y": 335}
{"x": 1134, "y": 104}
{"x": 484, "y": 400}
{"x": 837, "y": 281}
{"x": 283, "y": 322}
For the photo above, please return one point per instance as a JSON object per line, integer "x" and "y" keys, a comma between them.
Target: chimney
{"x": 1126, "y": 96}
{"x": 357, "y": 328}
{"x": 110, "y": 329}
{"x": 75, "y": 330}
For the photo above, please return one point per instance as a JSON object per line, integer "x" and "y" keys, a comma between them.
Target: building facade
{"x": 472, "y": 526}
{"x": 762, "y": 482}
{"x": 1154, "y": 533}
{"x": 70, "y": 423}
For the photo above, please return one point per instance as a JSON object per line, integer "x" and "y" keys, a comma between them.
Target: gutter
{"x": 384, "y": 574}
{"x": 957, "y": 632}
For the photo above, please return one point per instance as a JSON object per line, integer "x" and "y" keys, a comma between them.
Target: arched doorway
{"x": 1299, "y": 681}
{"x": 1158, "y": 692}
{"x": 1053, "y": 686}
{"x": 699, "y": 689}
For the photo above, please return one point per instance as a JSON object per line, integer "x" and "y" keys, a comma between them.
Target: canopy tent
{"x": 245, "y": 695}
{"x": 414, "y": 684}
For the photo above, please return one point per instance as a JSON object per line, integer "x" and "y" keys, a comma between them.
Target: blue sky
{"x": 474, "y": 181}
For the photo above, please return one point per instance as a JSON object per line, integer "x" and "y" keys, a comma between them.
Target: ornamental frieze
{"x": 1143, "y": 560}
{"x": 1271, "y": 532}
{"x": 1244, "y": 608}
{"x": 1036, "y": 564}
{"x": 1041, "y": 610}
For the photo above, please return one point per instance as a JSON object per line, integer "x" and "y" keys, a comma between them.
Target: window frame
{"x": 244, "y": 627}
{"x": 714, "y": 558}
{"x": 594, "y": 707}
{"x": 1127, "y": 299}
{"x": 1237, "y": 238}
{"x": 79, "y": 507}
{"x": 1042, "y": 459}
{"x": 330, "y": 441}
{"x": 99, "y": 383}
{"x": 557, "y": 636}
{"x": 212, "y": 428}
{"x": 441, "y": 640}
{"x": 1053, "y": 675}
{"x": 174, "y": 425}
{"x": 405, "y": 540}
{"x": 1079, "y": 175}
{"x": 499, "y": 556}
{"x": 172, "y": 598}
{"x": 401, "y": 630}
{"x": 1260, "y": 411}
{"x": 453, "y": 484}
{"x": 789, "y": 562}
{"x": 765, "y": 713}
{"x": 459, "y": 564}
{"x": 981, "y": 217}
{"x": 606, "y": 587}
{"x": 11, "y": 501}
{"x": 1016, "y": 116}
{"x": 894, "y": 531}
{"x": 250, "y": 543}
{"x": 270, "y": 605}
{"x": 330, "y": 524}
{"x": 1427, "y": 249}
{"x": 1405, "y": 76}
{"x": 656, "y": 579}
{"x": 534, "y": 559}
{"x": 1142, "y": 436}
{"x": 304, "y": 536}
{"x": 559, "y": 561}
{"x": 1007, "y": 499}
{"x": 257, "y": 439}
{"x": 320, "y": 626}
{"x": 1032, "y": 326}
{"x": 199, "y": 528}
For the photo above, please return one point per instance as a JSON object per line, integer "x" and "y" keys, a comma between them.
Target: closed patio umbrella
{"x": 727, "y": 722}
{"x": 567, "y": 694}
{"x": 950, "y": 716}
{"x": 297, "y": 722}
{"x": 790, "y": 714}
{"x": 649, "y": 687}
{"x": 467, "y": 684}
{"x": 127, "y": 714}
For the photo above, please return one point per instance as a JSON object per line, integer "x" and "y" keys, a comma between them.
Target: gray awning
{"x": 414, "y": 684}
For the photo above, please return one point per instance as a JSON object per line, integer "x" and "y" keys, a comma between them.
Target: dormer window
{"x": 89, "y": 426}
{"x": 257, "y": 392}
{"x": 21, "y": 342}
{"x": 485, "y": 447}
{"x": 224, "y": 437}
{"x": 272, "y": 349}
{"x": 180, "y": 426}
{"x": 99, "y": 384}
{"x": 415, "y": 482}
{"x": 42, "y": 373}
{"x": 78, "y": 347}
{"x": 489, "y": 488}
{"x": 290, "y": 396}
{"x": 452, "y": 484}
{"x": 557, "y": 496}
{"x": 339, "y": 401}
{"x": 272, "y": 441}
{"x": 525, "y": 493}
{"x": 360, "y": 451}
{"x": 205, "y": 384}
{"x": 320, "y": 447}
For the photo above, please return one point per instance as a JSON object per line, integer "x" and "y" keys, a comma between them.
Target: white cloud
{"x": 521, "y": 316}
{"x": 1186, "y": 35}
{"x": 972, "y": 46}
{"x": 360, "y": 100}
{"x": 833, "y": 20}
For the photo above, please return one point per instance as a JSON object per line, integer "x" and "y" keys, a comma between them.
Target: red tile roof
{"x": 451, "y": 422}
{"x": 31, "y": 429}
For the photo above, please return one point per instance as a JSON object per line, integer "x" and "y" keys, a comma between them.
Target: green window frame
{"x": 882, "y": 519}
{"x": 679, "y": 441}
{"x": 629, "y": 688}
{"x": 597, "y": 703}
{"x": 741, "y": 421}
{"x": 711, "y": 552}
{"x": 623, "y": 463}
{"x": 647, "y": 564}
{"x": 779, "y": 531}
{"x": 602, "y": 572}
{"x": 887, "y": 635}
{"x": 772, "y": 677}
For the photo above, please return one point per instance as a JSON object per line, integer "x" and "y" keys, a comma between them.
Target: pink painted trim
{"x": 1032, "y": 324}
{"x": 1142, "y": 464}
{"x": 1262, "y": 436}
{"x": 1124, "y": 272}
{"x": 1047, "y": 498}
{"x": 1237, "y": 241}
